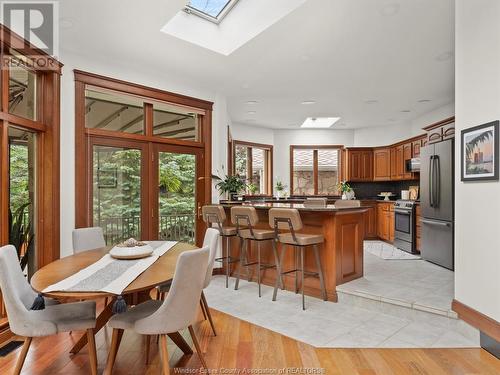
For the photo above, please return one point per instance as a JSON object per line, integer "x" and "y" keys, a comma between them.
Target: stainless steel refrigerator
{"x": 436, "y": 200}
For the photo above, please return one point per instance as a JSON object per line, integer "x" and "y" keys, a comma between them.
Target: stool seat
{"x": 303, "y": 239}
{"x": 229, "y": 231}
{"x": 258, "y": 234}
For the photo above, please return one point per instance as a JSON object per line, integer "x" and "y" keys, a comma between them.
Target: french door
{"x": 145, "y": 190}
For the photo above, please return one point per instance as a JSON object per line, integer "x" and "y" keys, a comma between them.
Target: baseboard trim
{"x": 476, "y": 319}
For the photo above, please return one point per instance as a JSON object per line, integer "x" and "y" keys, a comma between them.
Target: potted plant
{"x": 280, "y": 189}
{"x": 346, "y": 190}
{"x": 252, "y": 188}
{"x": 21, "y": 233}
{"x": 229, "y": 185}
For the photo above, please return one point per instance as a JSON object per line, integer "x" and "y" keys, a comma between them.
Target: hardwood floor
{"x": 239, "y": 344}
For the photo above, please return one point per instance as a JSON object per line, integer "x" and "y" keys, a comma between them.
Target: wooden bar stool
{"x": 289, "y": 219}
{"x": 215, "y": 216}
{"x": 245, "y": 219}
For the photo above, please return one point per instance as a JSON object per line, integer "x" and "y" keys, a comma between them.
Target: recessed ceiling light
{"x": 390, "y": 9}
{"x": 319, "y": 122}
{"x": 445, "y": 56}
{"x": 371, "y": 101}
{"x": 308, "y": 102}
{"x": 251, "y": 112}
{"x": 252, "y": 102}
{"x": 425, "y": 101}
{"x": 405, "y": 111}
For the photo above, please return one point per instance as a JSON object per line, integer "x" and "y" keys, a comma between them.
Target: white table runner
{"x": 110, "y": 275}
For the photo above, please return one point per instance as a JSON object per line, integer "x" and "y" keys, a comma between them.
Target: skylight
{"x": 212, "y": 10}
{"x": 319, "y": 122}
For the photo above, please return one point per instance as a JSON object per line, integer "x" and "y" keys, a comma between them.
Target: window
{"x": 22, "y": 90}
{"x": 211, "y": 10}
{"x": 253, "y": 162}
{"x": 173, "y": 122}
{"x": 314, "y": 170}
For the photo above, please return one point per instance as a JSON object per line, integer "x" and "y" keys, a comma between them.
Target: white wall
{"x": 431, "y": 117}
{"x": 254, "y": 134}
{"x": 128, "y": 73}
{"x": 477, "y": 205}
{"x": 381, "y": 135}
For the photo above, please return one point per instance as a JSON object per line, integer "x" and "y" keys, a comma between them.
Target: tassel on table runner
{"x": 38, "y": 303}
{"x": 120, "y": 306}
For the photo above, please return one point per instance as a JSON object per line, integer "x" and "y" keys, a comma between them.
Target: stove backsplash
{"x": 370, "y": 190}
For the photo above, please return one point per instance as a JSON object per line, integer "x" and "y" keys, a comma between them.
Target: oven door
{"x": 403, "y": 224}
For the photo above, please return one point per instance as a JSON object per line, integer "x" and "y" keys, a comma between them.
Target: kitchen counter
{"x": 341, "y": 254}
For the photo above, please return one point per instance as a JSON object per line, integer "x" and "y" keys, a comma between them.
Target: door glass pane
{"x": 170, "y": 121}
{"x": 22, "y": 90}
{"x": 177, "y": 203}
{"x": 113, "y": 111}
{"x": 303, "y": 173}
{"x": 117, "y": 192}
{"x": 328, "y": 171}
{"x": 259, "y": 170}
{"x": 241, "y": 162}
{"x": 22, "y": 164}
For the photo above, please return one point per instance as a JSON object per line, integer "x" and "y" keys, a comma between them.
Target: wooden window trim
{"x": 315, "y": 149}
{"x": 268, "y": 155}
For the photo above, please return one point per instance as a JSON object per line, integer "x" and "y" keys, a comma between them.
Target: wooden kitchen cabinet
{"x": 382, "y": 164}
{"x": 391, "y": 217}
{"x": 441, "y": 131}
{"x": 407, "y": 155}
{"x": 385, "y": 221}
{"x": 416, "y": 145}
{"x": 359, "y": 165}
{"x": 370, "y": 219}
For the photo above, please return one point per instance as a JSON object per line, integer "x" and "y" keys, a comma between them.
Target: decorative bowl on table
{"x": 386, "y": 195}
{"x": 131, "y": 249}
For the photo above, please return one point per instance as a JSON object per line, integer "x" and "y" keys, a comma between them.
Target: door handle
{"x": 402, "y": 212}
{"x": 437, "y": 182}
{"x": 199, "y": 211}
{"x": 431, "y": 182}
{"x": 436, "y": 223}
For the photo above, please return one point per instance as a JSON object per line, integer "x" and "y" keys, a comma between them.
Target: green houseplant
{"x": 21, "y": 233}
{"x": 280, "y": 189}
{"x": 229, "y": 185}
{"x": 346, "y": 190}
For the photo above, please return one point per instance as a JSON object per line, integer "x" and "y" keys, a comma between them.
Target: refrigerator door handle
{"x": 437, "y": 223}
{"x": 437, "y": 181}
{"x": 431, "y": 183}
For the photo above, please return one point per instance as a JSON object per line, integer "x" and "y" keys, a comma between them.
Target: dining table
{"x": 160, "y": 272}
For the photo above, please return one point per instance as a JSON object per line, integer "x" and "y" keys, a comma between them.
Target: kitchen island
{"x": 341, "y": 253}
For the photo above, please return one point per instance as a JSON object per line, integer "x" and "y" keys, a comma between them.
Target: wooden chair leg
{"x": 148, "y": 346}
{"x": 164, "y": 354}
{"x": 204, "y": 302}
{"x": 197, "y": 347}
{"x": 22, "y": 355}
{"x": 113, "y": 350}
{"x": 92, "y": 351}
{"x": 203, "y": 309}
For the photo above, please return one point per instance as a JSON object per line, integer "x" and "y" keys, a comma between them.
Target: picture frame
{"x": 479, "y": 152}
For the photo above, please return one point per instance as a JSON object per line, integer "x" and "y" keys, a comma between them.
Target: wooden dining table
{"x": 138, "y": 291}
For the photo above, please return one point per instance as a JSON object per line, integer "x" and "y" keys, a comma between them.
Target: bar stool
{"x": 289, "y": 219}
{"x": 245, "y": 219}
{"x": 215, "y": 215}
{"x": 315, "y": 202}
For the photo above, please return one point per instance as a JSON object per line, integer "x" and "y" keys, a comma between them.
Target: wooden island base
{"x": 341, "y": 254}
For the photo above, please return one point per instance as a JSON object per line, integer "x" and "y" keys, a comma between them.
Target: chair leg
{"x": 242, "y": 259}
{"x": 278, "y": 266}
{"x": 22, "y": 355}
{"x": 164, "y": 353}
{"x": 209, "y": 314}
{"x": 148, "y": 347}
{"x": 258, "y": 268}
{"x": 320, "y": 273}
{"x": 302, "y": 276}
{"x": 92, "y": 351}
{"x": 203, "y": 310}
{"x": 247, "y": 260}
{"x": 296, "y": 253}
{"x": 116, "y": 338}
{"x": 197, "y": 347}
{"x": 276, "y": 285}
{"x": 227, "y": 259}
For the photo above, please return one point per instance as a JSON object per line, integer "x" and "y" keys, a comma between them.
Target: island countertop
{"x": 298, "y": 206}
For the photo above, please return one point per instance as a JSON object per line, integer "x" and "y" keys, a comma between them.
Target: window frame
{"x": 315, "y": 149}
{"x": 217, "y": 20}
{"x": 268, "y": 161}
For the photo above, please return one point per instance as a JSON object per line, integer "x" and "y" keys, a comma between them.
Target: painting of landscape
{"x": 480, "y": 152}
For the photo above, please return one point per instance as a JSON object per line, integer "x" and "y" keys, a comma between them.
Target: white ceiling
{"x": 339, "y": 53}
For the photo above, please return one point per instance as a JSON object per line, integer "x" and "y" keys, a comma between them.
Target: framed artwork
{"x": 479, "y": 153}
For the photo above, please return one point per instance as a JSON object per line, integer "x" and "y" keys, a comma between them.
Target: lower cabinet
{"x": 370, "y": 219}
{"x": 385, "y": 221}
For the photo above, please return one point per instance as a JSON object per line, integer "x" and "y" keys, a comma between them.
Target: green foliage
{"x": 252, "y": 188}
{"x": 280, "y": 186}
{"x": 344, "y": 187}
{"x": 472, "y": 144}
{"x": 21, "y": 233}
{"x": 19, "y": 176}
{"x": 230, "y": 184}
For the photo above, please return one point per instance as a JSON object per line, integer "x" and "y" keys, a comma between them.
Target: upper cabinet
{"x": 359, "y": 165}
{"x": 382, "y": 164}
{"x": 441, "y": 131}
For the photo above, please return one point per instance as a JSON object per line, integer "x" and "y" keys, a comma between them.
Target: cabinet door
{"x": 371, "y": 221}
{"x": 407, "y": 152}
{"x": 399, "y": 163}
{"x": 435, "y": 135}
{"x": 367, "y": 166}
{"x": 354, "y": 165}
{"x": 394, "y": 172}
{"x": 449, "y": 131}
{"x": 391, "y": 217}
{"x": 382, "y": 165}
{"x": 416, "y": 148}
{"x": 380, "y": 221}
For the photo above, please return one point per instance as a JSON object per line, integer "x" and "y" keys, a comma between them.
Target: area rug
{"x": 388, "y": 252}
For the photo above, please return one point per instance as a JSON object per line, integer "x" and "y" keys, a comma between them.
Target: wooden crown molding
{"x": 476, "y": 319}
{"x": 438, "y": 124}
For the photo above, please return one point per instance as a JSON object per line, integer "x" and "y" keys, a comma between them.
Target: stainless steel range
{"x": 404, "y": 226}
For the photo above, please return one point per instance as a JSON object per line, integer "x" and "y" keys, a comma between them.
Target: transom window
{"x": 315, "y": 170}
{"x": 211, "y": 10}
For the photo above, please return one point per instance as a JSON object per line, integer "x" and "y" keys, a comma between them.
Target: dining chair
{"x": 177, "y": 312}
{"x": 87, "y": 239}
{"x": 316, "y": 202}
{"x": 211, "y": 241}
{"x": 53, "y": 319}
{"x": 346, "y": 203}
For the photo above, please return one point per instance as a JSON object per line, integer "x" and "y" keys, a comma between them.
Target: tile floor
{"x": 353, "y": 322}
{"x": 415, "y": 284}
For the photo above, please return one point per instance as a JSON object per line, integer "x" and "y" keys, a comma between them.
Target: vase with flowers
{"x": 346, "y": 190}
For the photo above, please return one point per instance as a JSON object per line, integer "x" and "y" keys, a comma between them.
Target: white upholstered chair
{"x": 18, "y": 297}
{"x": 176, "y": 313}
{"x": 211, "y": 241}
{"x": 87, "y": 239}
